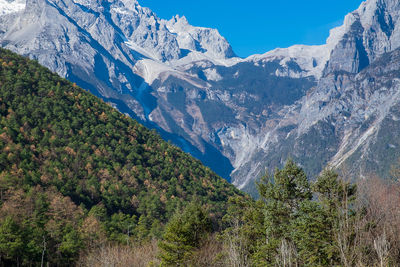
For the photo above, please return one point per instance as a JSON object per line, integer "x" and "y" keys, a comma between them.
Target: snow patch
{"x": 150, "y": 70}
{"x": 7, "y": 7}
{"x": 212, "y": 75}
{"x": 196, "y": 57}
{"x": 311, "y": 59}
{"x": 140, "y": 50}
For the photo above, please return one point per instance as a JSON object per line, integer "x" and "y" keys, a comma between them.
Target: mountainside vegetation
{"x": 82, "y": 184}
{"x": 75, "y": 173}
{"x": 328, "y": 222}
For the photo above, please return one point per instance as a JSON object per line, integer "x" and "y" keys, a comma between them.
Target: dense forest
{"x": 328, "y": 222}
{"x": 74, "y": 172}
{"x": 82, "y": 184}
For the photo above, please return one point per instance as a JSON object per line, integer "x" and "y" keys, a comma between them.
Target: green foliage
{"x": 11, "y": 239}
{"x": 311, "y": 236}
{"x": 332, "y": 191}
{"x": 336, "y": 198}
{"x": 74, "y": 172}
{"x": 244, "y": 233}
{"x": 183, "y": 234}
{"x": 282, "y": 196}
{"x": 290, "y": 227}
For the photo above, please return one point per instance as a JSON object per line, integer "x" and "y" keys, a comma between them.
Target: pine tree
{"x": 11, "y": 241}
{"x": 336, "y": 198}
{"x": 311, "y": 236}
{"x": 283, "y": 195}
{"x": 184, "y": 234}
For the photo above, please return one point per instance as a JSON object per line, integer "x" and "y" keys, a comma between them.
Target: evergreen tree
{"x": 282, "y": 194}
{"x": 245, "y": 231}
{"x": 336, "y": 198}
{"x": 311, "y": 236}
{"x": 184, "y": 234}
{"x": 11, "y": 240}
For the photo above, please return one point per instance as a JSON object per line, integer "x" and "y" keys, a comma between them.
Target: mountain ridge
{"x": 187, "y": 82}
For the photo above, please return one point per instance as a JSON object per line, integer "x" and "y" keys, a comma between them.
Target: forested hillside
{"x": 82, "y": 184}
{"x": 74, "y": 172}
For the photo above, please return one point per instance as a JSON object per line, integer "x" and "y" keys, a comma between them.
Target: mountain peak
{"x": 200, "y": 39}
{"x": 366, "y": 34}
{"x": 178, "y": 19}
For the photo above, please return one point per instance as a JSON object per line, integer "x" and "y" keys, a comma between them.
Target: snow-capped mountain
{"x": 328, "y": 104}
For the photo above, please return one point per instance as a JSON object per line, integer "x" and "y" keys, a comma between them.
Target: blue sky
{"x": 257, "y": 26}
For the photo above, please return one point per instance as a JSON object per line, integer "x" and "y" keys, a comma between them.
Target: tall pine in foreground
{"x": 282, "y": 195}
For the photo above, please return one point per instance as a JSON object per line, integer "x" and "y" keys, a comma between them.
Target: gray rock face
{"x": 333, "y": 104}
{"x": 371, "y": 31}
{"x": 347, "y": 120}
{"x": 203, "y": 40}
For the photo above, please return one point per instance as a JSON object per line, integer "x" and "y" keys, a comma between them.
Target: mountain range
{"x": 335, "y": 104}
